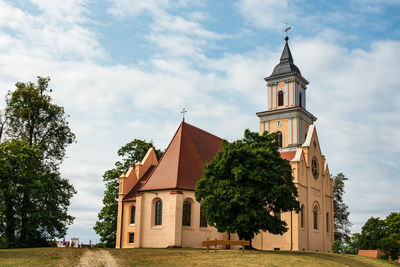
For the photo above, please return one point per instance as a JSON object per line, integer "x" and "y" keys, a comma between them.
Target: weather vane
{"x": 183, "y": 113}
{"x": 287, "y": 28}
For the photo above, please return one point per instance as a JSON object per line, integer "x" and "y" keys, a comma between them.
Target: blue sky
{"x": 124, "y": 69}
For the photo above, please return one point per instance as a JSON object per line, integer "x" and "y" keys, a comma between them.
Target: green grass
{"x": 186, "y": 257}
{"x": 40, "y": 257}
{"x": 197, "y": 257}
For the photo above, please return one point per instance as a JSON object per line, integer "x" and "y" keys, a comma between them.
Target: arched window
{"x": 133, "y": 209}
{"x": 315, "y": 216}
{"x": 279, "y": 139}
{"x": 302, "y": 216}
{"x": 158, "y": 213}
{"x": 327, "y": 222}
{"x": 203, "y": 220}
{"x": 280, "y": 98}
{"x": 186, "y": 213}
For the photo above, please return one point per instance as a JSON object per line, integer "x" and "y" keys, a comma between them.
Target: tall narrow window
{"x": 131, "y": 237}
{"x": 315, "y": 215}
{"x": 133, "y": 209}
{"x": 300, "y": 102}
{"x": 279, "y": 138}
{"x": 203, "y": 220}
{"x": 280, "y": 98}
{"x": 327, "y": 222}
{"x": 302, "y": 216}
{"x": 186, "y": 213}
{"x": 158, "y": 213}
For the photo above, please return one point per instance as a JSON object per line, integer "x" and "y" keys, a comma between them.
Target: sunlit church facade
{"x": 157, "y": 207}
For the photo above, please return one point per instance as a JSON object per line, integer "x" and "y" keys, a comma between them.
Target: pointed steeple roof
{"x": 286, "y": 65}
{"x": 182, "y": 164}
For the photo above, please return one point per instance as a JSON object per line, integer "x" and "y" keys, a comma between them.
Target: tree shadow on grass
{"x": 350, "y": 260}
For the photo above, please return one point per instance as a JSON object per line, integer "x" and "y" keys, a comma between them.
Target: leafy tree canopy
{"x": 340, "y": 210}
{"x": 245, "y": 185}
{"x": 372, "y": 231}
{"x": 31, "y": 115}
{"x": 393, "y": 224}
{"x": 106, "y": 225}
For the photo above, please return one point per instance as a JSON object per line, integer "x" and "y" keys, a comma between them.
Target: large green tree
{"x": 34, "y": 123}
{"x": 106, "y": 225}
{"x": 340, "y": 210}
{"x": 246, "y": 186}
{"x": 372, "y": 231}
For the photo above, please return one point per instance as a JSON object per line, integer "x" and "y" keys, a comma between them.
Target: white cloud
{"x": 267, "y": 14}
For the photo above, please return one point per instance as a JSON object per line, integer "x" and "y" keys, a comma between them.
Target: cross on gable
{"x": 183, "y": 113}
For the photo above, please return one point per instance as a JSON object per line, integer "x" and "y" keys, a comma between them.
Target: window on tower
{"x": 279, "y": 139}
{"x": 280, "y": 98}
{"x": 300, "y": 102}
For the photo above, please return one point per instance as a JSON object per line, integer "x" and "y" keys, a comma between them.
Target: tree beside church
{"x": 247, "y": 186}
{"x": 34, "y": 135}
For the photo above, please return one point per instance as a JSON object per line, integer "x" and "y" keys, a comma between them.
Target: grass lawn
{"x": 198, "y": 257}
{"x": 40, "y": 256}
{"x": 184, "y": 257}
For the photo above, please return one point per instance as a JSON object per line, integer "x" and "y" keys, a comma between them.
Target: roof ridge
{"x": 179, "y": 154}
{"x": 202, "y": 130}
{"x": 165, "y": 152}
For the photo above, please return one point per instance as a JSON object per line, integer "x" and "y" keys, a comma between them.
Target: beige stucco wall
{"x": 171, "y": 232}
{"x": 311, "y": 192}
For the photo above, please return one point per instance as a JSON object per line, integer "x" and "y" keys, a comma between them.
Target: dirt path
{"x": 97, "y": 257}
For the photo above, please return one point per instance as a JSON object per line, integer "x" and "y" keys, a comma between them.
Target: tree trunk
{"x": 24, "y": 219}
{"x": 10, "y": 221}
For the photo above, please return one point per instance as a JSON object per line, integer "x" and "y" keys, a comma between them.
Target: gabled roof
{"x": 183, "y": 162}
{"x": 133, "y": 192}
{"x": 286, "y": 65}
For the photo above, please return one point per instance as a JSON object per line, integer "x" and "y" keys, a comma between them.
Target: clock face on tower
{"x": 314, "y": 168}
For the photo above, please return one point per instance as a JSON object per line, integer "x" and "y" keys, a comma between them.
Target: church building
{"x": 157, "y": 207}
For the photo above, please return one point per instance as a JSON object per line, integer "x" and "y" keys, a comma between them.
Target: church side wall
{"x": 128, "y": 228}
{"x": 171, "y": 232}
{"x": 193, "y": 235}
{"x": 157, "y": 236}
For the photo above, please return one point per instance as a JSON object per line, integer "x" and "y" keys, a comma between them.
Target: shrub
{"x": 3, "y": 242}
{"x": 390, "y": 247}
{"x": 337, "y": 247}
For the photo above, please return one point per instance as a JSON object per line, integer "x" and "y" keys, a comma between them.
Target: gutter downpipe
{"x": 122, "y": 226}
{"x": 291, "y": 230}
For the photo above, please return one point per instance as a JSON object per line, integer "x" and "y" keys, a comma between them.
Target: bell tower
{"x": 286, "y": 113}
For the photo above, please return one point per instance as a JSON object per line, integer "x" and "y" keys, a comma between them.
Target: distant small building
{"x": 74, "y": 242}
{"x": 62, "y": 244}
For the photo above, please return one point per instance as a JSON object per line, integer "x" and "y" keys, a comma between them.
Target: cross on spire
{"x": 183, "y": 114}
{"x": 287, "y": 28}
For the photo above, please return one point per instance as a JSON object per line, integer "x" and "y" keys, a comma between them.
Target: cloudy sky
{"x": 124, "y": 69}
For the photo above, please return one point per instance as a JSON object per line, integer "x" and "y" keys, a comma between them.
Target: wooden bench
{"x": 216, "y": 242}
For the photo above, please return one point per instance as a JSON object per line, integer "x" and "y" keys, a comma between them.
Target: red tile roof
{"x": 289, "y": 155}
{"x": 183, "y": 162}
